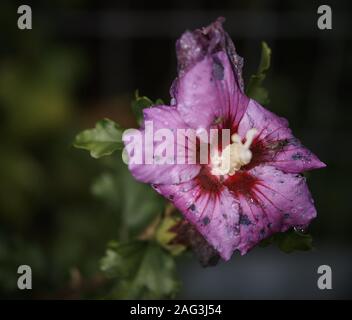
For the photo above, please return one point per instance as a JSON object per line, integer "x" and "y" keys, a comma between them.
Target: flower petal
{"x": 271, "y": 201}
{"x": 210, "y": 85}
{"x": 208, "y": 94}
{"x": 194, "y": 46}
{"x": 275, "y": 145}
{"x": 162, "y": 117}
{"x": 215, "y": 215}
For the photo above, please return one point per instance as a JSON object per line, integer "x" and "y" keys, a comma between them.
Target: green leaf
{"x": 165, "y": 235}
{"x": 265, "y": 58}
{"x": 290, "y": 241}
{"x": 101, "y": 141}
{"x": 137, "y": 203}
{"x": 255, "y": 90}
{"x": 140, "y": 103}
{"x": 293, "y": 241}
{"x": 142, "y": 270}
{"x": 140, "y": 205}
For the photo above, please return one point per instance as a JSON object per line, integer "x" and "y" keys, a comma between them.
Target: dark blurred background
{"x": 83, "y": 60}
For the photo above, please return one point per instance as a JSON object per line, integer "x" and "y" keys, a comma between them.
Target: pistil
{"x": 234, "y": 156}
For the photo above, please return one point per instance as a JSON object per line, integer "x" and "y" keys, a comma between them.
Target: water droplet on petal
{"x": 299, "y": 229}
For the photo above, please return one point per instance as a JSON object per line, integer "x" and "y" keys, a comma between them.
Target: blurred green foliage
{"x": 48, "y": 219}
{"x": 44, "y": 217}
{"x": 141, "y": 270}
{"x": 137, "y": 203}
{"x": 254, "y": 88}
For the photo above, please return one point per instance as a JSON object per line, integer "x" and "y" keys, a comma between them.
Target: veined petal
{"x": 270, "y": 201}
{"x": 215, "y": 215}
{"x": 208, "y": 94}
{"x": 158, "y": 171}
{"x": 274, "y": 144}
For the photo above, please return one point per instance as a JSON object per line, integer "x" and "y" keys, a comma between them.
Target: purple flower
{"x": 262, "y": 192}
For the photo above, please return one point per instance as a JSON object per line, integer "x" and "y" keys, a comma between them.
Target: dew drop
{"x": 299, "y": 229}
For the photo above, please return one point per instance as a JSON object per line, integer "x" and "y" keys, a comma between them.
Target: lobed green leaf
{"x": 102, "y": 140}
